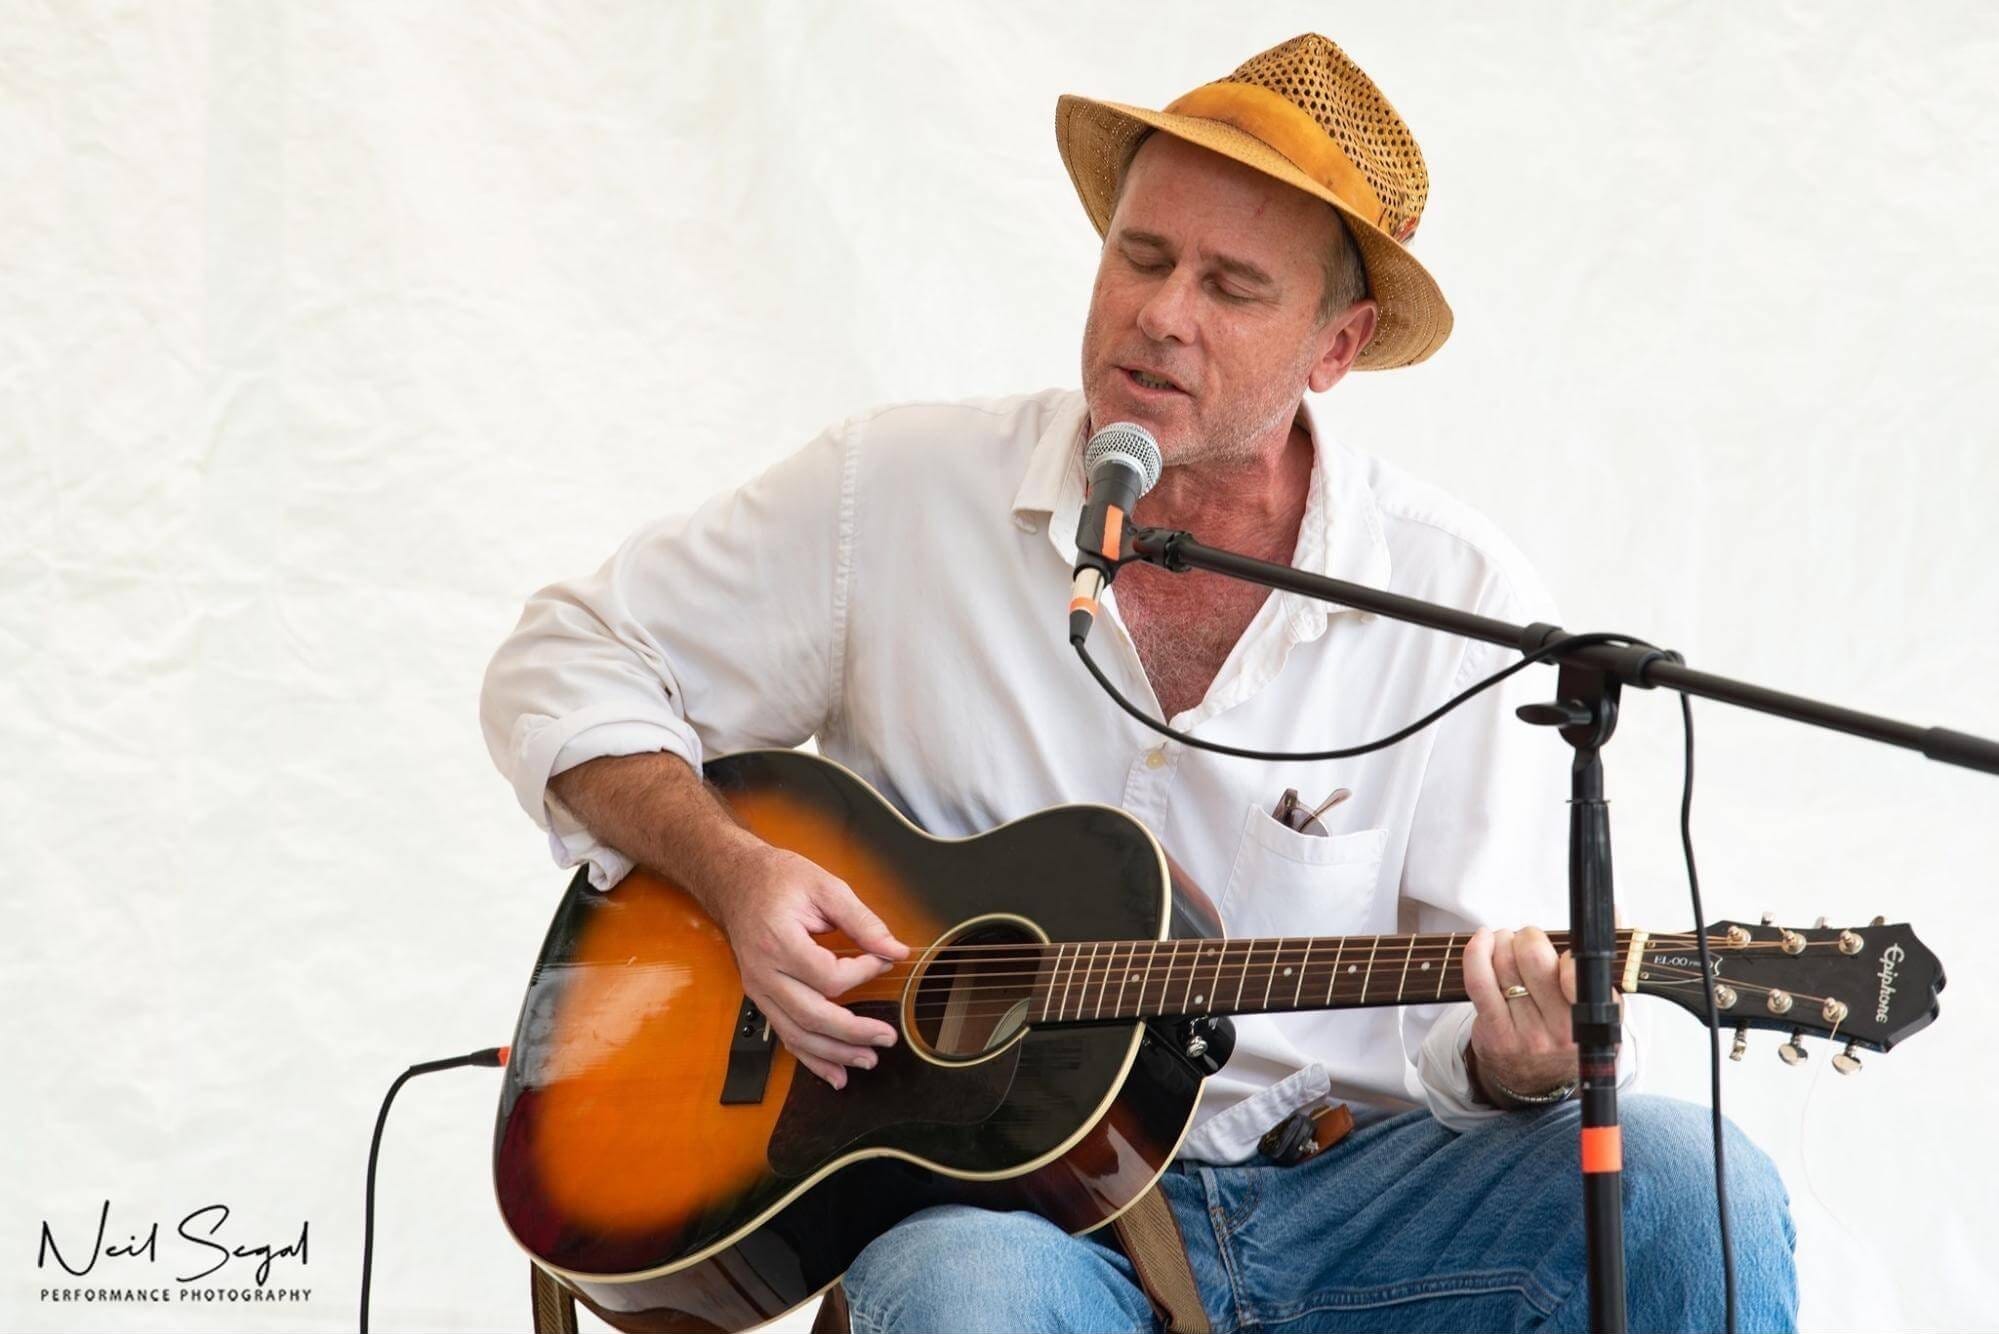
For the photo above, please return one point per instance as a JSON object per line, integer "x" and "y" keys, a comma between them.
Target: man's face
{"x": 1211, "y": 277}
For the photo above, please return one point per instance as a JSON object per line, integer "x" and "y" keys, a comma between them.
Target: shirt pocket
{"x": 1285, "y": 883}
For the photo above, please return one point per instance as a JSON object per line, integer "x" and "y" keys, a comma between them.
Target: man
{"x": 898, "y": 589}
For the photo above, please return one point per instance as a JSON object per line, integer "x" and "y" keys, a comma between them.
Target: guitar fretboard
{"x": 1084, "y": 981}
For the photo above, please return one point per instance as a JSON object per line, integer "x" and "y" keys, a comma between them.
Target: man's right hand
{"x": 769, "y": 902}
{"x": 770, "y": 906}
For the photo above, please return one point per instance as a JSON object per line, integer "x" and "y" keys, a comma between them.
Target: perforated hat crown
{"x": 1305, "y": 114}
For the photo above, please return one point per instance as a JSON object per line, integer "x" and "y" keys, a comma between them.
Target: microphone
{"x": 1123, "y": 462}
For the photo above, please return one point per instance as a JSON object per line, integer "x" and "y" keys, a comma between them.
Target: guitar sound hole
{"x": 971, "y": 997}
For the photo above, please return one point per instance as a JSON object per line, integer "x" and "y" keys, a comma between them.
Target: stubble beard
{"x": 1232, "y": 442}
{"x": 1242, "y": 437}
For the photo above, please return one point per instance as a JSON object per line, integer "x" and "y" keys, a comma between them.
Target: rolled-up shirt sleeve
{"x": 1488, "y": 847}
{"x": 705, "y": 632}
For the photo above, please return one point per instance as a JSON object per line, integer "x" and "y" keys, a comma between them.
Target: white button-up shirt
{"x": 898, "y": 589}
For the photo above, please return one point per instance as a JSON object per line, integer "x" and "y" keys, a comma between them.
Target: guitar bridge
{"x": 749, "y": 1057}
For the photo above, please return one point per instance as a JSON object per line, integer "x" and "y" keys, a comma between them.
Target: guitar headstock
{"x": 1867, "y": 986}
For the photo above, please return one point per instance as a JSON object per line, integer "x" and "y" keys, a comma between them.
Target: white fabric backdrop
{"x": 330, "y": 332}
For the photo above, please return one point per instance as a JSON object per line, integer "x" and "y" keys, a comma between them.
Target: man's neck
{"x": 1253, "y": 506}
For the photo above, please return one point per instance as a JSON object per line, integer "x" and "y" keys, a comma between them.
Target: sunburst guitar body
{"x": 663, "y": 1158}
{"x": 626, "y": 1168}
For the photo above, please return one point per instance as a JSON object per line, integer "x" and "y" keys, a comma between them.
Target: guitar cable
{"x": 495, "y": 1056}
{"x": 1686, "y": 843}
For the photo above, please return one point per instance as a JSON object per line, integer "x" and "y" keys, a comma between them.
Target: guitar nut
{"x": 1780, "y": 1002}
{"x": 1851, "y": 943}
{"x": 1793, "y": 942}
{"x": 1834, "y": 1011}
{"x": 1724, "y": 996}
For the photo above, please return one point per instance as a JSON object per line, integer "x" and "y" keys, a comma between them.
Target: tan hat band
{"x": 1290, "y": 129}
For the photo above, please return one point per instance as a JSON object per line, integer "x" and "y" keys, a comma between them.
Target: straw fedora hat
{"x": 1307, "y": 115}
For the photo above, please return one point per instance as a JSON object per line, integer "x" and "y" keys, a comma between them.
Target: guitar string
{"x": 1622, "y": 933}
{"x": 1090, "y": 979}
{"x": 1093, "y": 970}
{"x": 1261, "y": 971}
{"x": 1013, "y": 995}
{"x": 1264, "y": 972}
{"x": 1258, "y": 969}
{"x": 1083, "y": 964}
{"x": 1812, "y": 1014}
{"x": 1087, "y": 973}
{"x": 1390, "y": 951}
{"x": 1426, "y": 940}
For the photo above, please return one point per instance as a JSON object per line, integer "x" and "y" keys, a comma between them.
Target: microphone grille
{"x": 1129, "y": 441}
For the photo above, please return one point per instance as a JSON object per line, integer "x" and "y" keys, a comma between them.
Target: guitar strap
{"x": 1151, "y": 1238}
{"x": 554, "y": 1309}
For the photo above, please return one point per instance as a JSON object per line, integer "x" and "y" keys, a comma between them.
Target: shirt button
{"x": 1155, "y": 758}
{"x": 1025, "y": 524}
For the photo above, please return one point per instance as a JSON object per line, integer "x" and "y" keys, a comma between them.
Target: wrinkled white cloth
{"x": 898, "y": 589}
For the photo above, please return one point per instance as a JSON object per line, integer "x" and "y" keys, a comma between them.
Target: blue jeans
{"x": 1404, "y": 1225}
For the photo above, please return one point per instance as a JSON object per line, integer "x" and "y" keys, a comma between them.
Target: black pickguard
{"x": 905, "y": 1101}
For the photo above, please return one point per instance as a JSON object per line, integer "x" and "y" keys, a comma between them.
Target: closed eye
{"x": 1161, "y": 267}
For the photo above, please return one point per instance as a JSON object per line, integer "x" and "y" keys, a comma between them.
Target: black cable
{"x": 1686, "y": 842}
{"x": 489, "y": 1056}
{"x": 1560, "y": 645}
{"x": 1713, "y": 1017}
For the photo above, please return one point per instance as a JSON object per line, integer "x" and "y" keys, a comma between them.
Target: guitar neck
{"x": 1088, "y": 981}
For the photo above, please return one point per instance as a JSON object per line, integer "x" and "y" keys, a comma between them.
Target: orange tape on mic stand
{"x": 1603, "y": 1149}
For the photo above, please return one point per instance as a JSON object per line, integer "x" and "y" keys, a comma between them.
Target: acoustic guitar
{"x": 664, "y": 1158}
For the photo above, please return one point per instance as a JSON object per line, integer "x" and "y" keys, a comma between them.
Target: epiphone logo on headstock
{"x": 1889, "y": 958}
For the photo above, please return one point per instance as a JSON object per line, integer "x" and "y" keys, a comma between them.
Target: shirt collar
{"x": 1340, "y": 535}
{"x": 1053, "y": 484}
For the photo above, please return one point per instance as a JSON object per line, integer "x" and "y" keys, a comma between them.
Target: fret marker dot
{"x": 1287, "y": 972}
{"x": 1199, "y": 999}
{"x": 1353, "y": 968}
{"x": 1426, "y": 965}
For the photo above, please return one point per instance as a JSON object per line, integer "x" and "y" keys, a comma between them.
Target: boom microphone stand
{"x": 1585, "y": 715}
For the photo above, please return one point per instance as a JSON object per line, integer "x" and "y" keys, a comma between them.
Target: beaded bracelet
{"x": 1475, "y": 1074}
{"x": 1559, "y": 1094}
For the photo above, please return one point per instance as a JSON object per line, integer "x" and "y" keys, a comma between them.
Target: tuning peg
{"x": 1794, "y": 1052}
{"x": 1846, "y": 1062}
{"x": 1820, "y": 924}
{"x": 1768, "y": 918}
{"x": 1879, "y": 921}
{"x": 1741, "y": 1042}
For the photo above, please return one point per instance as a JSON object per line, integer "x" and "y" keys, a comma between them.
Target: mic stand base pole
{"x": 1586, "y": 714}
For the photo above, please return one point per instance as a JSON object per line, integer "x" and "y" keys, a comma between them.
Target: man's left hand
{"x": 1525, "y": 1042}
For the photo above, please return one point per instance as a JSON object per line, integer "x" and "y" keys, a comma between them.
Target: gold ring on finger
{"x": 1516, "y": 992}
